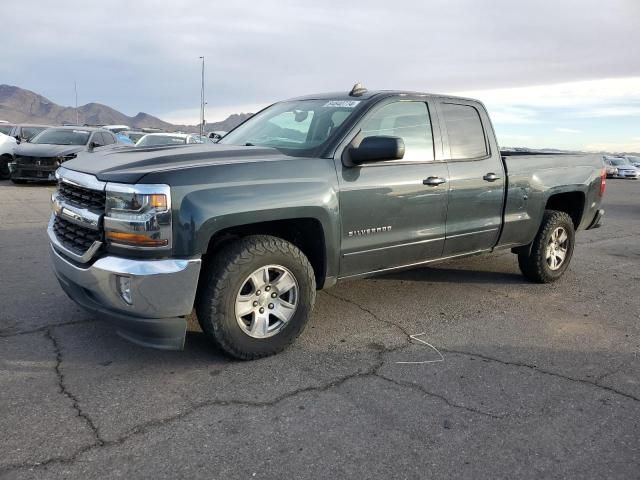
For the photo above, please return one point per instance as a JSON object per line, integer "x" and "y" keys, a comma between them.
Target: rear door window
{"x": 464, "y": 128}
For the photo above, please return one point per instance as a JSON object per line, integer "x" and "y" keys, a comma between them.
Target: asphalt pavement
{"x": 533, "y": 381}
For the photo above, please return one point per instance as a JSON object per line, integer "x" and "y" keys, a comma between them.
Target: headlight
{"x": 138, "y": 216}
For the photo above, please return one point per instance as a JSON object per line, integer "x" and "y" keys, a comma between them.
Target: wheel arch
{"x": 306, "y": 233}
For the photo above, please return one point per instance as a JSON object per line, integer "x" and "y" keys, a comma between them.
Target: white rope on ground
{"x": 415, "y": 337}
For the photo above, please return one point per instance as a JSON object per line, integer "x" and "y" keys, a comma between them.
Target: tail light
{"x": 603, "y": 181}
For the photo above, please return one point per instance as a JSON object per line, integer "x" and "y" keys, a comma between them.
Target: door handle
{"x": 491, "y": 177}
{"x": 433, "y": 181}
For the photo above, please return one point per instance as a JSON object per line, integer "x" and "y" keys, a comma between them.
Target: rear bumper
{"x": 162, "y": 294}
{"x": 596, "y": 222}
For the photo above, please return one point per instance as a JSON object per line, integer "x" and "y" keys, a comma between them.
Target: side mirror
{"x": 93, "y": 145}
{"x": 18, "y": 139}
{"x": 377, "y": 149}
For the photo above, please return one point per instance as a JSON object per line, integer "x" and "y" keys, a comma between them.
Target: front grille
{"x": 74, "y": 237}
{"x": 43, "y": 161}
{"x": 82, "y": 197}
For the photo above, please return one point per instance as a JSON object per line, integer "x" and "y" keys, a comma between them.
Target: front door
{"x": 394, "y": 213}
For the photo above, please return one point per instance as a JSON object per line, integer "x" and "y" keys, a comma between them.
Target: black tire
{"x": 4, "y": 167}
{"x": 224, "y": 275}
{"x": 18, "y": 181}
{"x": 533, "y": 262}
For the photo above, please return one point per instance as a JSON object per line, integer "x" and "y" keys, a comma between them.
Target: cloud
{"x": 514, "y": 115}
{"x": 612, "y": 111}
{"x": 144, "y": 55}
{"x": 567, "y": 130}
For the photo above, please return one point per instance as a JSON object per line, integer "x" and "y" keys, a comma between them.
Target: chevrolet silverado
{"x": 304, "y": 194}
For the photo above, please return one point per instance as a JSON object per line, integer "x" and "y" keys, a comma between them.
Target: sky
{"x": 561, "y": 73}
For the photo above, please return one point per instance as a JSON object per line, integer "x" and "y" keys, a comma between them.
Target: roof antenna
{"x": 357, "y": 90}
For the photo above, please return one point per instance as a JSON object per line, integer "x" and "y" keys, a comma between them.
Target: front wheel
{"x": 4, "y": 166}
{"x": 551, "y": 250}
{"x": 256, "y": 296}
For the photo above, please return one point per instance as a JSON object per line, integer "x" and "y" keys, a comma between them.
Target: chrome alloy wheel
{"x": 266, "y": 301}
{"x": 557, "y": 248}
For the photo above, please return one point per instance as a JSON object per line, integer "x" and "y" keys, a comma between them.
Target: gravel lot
{"x": 538, "y": 381}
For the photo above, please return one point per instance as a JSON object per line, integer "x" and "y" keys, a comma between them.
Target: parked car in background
{"x": 635, "y": 161}
{"x": 7, "y": 147}
{"x": 25, "y": 132}
{"x": 158, "y": 139}
{"x": 39, "y": 159}
{"x": 134, "y": 135}
{"x": 216, "y": 135}
{"x": 116, "y": 128}
{"x": 6, "y": 128}
{"x": 124, "y": 139}
{"x": 624, "y": 168}
{"x": 610, "y": 169}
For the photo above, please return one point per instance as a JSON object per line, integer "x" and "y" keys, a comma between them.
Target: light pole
{"x": 75, "y": 87}
{"x": 202, "y": 100}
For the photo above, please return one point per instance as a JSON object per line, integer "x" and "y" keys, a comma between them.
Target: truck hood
{"x": 129, "y": 164}
{"x": 46, "y": 150}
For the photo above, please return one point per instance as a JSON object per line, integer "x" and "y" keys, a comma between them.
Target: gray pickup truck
{"x": 307, "y": 192}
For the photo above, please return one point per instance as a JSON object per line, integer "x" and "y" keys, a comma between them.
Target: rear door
{"x": 389, "y": 216}
{"x": 476, "y": 178}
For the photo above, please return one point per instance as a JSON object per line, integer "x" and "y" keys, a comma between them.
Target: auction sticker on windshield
{"x": 342, "y": 103}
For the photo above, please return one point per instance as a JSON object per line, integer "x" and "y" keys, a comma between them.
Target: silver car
{"x": 624, "y": 168}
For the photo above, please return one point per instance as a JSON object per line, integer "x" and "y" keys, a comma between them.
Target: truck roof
{"x": 370, "y": 94}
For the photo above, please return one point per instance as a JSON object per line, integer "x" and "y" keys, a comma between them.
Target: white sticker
{"x": 342, "y": 103}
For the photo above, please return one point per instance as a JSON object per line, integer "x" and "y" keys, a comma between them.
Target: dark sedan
{"x": 39, "y": 159}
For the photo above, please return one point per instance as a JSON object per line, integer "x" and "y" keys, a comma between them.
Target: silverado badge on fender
{"x": 369, "y": 231}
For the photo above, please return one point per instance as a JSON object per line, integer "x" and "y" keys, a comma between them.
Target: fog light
{"x": 124, "y": 288}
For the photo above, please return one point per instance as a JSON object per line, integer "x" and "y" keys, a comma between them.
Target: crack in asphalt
{"x": 596, "y": 383}
{"x": 544, "y": 372}
{"x": 44, "y": 328}
{"x": 420, "y": 388}
{"x": 372, "y": 314}
{"x": 372, "y": 371}
{"x": 65, "y": 391}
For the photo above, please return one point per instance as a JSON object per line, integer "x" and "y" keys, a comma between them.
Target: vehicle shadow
{"x": 446, "y": 274}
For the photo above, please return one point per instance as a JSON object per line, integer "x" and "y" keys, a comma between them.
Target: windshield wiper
{"x": 249, "y": 144}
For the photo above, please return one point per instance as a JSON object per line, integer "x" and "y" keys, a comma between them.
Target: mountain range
{"x": 18, "y": 105}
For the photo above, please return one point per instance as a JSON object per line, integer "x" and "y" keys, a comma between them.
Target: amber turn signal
{"x": 158, "y": 201}
{"x": 135, "y": 239}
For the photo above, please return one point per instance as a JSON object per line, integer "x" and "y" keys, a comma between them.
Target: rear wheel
{"x": 256, "y": 296}
{"x": 551, "y": 250}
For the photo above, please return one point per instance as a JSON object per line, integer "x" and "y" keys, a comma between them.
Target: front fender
{"x": 201, "y": 211}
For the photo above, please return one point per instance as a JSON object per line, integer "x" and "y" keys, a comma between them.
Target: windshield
{"x": 29, "y": 132}
{"x": 153, "y": 140}
{"x": 617, "y": 162}
{"x": 296, "y": 127}
{"x": 59, "y": 136}
{"x": 135, "y": 136}
{"x": 6, "y": 129}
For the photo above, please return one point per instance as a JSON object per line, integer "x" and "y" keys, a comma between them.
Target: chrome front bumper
{"x": 162, "y": 294}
